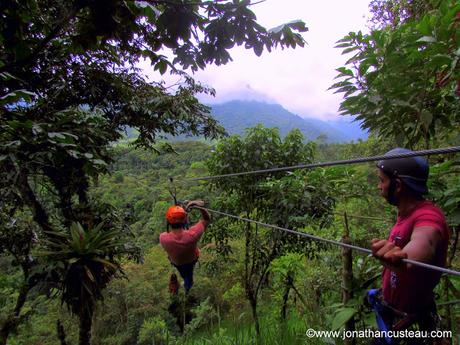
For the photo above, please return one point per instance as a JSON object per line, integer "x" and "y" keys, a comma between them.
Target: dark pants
{"x": 186, "y": 272}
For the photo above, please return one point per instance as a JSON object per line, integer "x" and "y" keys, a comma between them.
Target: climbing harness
{"x": 374, "y": 300}
{"x": 390, "y": 319}
{"x": 173, "y": 192}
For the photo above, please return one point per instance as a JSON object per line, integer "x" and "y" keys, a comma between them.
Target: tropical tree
{"x": 17, "y": 233}
{"x": 286, "y": 200}
{"x": 392, "y": 13}
{"x": 402, "y": 81}
{"x": 70, "y": 86}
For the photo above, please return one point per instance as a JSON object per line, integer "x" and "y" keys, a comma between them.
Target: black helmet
{"x": 413, "y": 171}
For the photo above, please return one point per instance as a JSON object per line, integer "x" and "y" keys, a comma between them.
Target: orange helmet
{"x": 176, "y": 215}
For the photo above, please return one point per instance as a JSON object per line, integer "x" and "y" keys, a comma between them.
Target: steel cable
{"x": 445, "y": 150}
{"x": 337, "y": 243}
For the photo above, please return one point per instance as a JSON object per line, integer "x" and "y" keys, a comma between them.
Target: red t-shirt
{"x": 181, "y": 244}
{"x": 412, "y": 291}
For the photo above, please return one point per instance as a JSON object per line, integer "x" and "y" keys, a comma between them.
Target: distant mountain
{"x": 235, "y": 116}
{"x": 349, "y": 128}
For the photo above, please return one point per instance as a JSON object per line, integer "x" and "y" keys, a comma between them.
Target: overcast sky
{"x": 297, "y": 79}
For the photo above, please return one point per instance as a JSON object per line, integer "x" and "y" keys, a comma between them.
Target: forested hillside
{"x": 326, "y": 202}
{"x": 236, "y": 116}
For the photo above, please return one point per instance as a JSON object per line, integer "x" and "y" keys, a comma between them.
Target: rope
{"x": 446, "y": 150}
{"x": 172, "y": 190}
{"x": 337, "y": 243}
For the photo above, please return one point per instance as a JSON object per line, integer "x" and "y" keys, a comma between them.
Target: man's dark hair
{"x": 177, "y": 225}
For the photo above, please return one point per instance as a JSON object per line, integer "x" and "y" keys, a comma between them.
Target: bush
{"x": 153, "y": 331}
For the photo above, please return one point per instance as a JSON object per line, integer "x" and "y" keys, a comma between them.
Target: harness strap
{"x": 172, "y": 190}
{"x": 375, "y": 302}
{"x": 404, "y": 323}
{"x": 389, "y": 318}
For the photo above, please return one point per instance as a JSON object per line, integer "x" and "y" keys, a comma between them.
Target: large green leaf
{"x": 342, "y": 316}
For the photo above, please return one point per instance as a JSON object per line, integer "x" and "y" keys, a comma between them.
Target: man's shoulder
{"x": 428, "y": 214}
{"x": 164, "y": 236}
{"x": 198, "y": 225}
{"x": 429, "y": 208}
{"x": 197, "y": 228}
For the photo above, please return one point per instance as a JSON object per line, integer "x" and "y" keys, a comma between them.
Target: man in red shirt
{"x": 180, "y": 243}
{"x": 420, "y": 234}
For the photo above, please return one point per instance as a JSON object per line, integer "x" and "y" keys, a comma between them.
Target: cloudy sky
{"x": 297, "y": 79}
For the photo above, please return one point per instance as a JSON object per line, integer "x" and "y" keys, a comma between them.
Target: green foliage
{"x": 83, "y": 259}
{"x": 10, "y": 283}
{"x": 234, "y": 296}
{"x": 56, "y": 128}
{"x": 143, "y": 196}
{"x": 391, "y": 13}
{"x": 153, "y": 331}
{"x": 137, "y": 307}
{"x": 141, "y": 299}
{"x": 98, "y": 59}
{"x": 401, "y": 81}
{"x": 118, "y": 177}
{"x": 287, "y": 265}
{"x": 204, "y": 313}
{"x": 445, "y": 188}
{"x": 287, "y": 200}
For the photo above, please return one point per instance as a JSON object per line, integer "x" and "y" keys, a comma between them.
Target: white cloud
{"x": 297, "y": 79}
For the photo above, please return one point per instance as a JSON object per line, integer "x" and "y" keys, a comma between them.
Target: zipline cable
{"x": 445, "y": 150}
{"x": 325, "y": 240}
{"x": 361, "y": 217}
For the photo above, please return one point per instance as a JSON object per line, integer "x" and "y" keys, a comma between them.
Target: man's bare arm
{"x": 423, "y": 244}
{"x": 205, "y": 216}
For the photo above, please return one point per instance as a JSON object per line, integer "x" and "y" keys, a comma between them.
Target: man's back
{"x": 181, "y": 245}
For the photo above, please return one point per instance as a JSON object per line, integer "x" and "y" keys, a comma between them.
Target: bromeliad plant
{"x": 84, "y": 262}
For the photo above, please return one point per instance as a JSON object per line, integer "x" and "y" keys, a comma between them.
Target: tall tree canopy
{"x": 403, "y": 79}
{"x": 69, "y": 87}
{"x": 285, "y": 199}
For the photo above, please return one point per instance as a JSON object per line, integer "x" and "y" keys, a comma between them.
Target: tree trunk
{"x": 13, "y": 319}
{"x": 39, "y": 214}
{"x": 287, "y": 289}
{"x": 246, "y": 256}
{"x": 255, "y": 317}
{"x": 347, "y": 279}
{"x": 250, "y": 294}
{"x": 86, "y": 317}
{"x": 60, "y": 332}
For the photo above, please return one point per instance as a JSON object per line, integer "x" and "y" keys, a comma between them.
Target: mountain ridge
{"x": 237, "y": 115}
